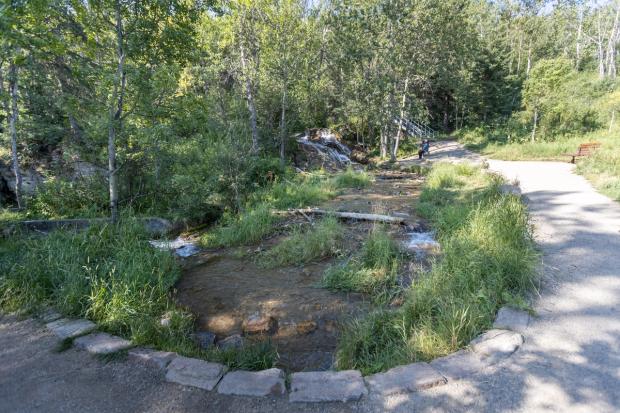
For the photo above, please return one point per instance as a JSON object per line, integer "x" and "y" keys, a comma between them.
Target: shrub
{"x": 58, "y": 198}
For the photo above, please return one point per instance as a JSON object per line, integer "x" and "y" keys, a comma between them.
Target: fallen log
{"x": 345, "y": 215}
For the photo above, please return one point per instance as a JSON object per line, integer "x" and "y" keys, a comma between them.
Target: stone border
{"x": 484, "y": 351}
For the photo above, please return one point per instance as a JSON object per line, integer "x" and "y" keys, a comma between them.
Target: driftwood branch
{"x": 344, "y": 215}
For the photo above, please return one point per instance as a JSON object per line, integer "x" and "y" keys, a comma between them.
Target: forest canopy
{"x": 177, "y": 107}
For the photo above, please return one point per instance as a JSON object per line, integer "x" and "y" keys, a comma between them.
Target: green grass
{"x": 350, "y": 178}
{"x": 111, "y": 275}
{"x": 246, "y": 228}
{"x": 255, "y": 222}
{"x": 601, "y": 168}
{"x": 323, "y": 239}
{"x": 373, "y": 270}
{"x": 487, "y": 260}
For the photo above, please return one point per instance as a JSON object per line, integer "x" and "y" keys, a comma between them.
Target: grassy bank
{"x": 255, "y": 221}
{"x": 602, "y": 168}
{"x": 111, "y": 275}
{"x": 487, "y": 260}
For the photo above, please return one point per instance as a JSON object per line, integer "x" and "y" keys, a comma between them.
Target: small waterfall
{"x": 422, "y": 243}
{"x": 326, "y": 144}
{"x": 182, "y": 247}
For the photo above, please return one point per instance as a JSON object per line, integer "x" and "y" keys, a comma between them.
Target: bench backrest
{"x": 586, "y": 148}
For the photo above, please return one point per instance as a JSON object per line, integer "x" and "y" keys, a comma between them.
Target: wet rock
{"x": 166, "y": 320}
{"x": 102, "y": 343}
{"x": 194, "y": 372}
{"x": 405, "y": 379}
{"x": 204, "y": 339}
{"x": 305, "y": 327}
{"x": 327, "y": 386}
{"x": 234, "y": 341}
{"x": 68, "y": 328}
{"x": 152, "y": 358}
{"x": 259, "y": 324}
{"x": 253, "y": 383}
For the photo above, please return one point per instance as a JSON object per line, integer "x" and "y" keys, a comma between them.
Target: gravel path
{"x": 570, "y": 361}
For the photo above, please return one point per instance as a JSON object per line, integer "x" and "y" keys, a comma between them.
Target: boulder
{"x": 234, "y": 341}
{"x": 259, "y": 324}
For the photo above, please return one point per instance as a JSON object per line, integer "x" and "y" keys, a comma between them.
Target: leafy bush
{"x": 58, "y": 198}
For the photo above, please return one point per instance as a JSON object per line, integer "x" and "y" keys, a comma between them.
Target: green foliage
{"x": 487, "y": 260}
{"x": 323, "y": 239}
{"x": 373, "y": 270}
{"x": 58, "y": 198}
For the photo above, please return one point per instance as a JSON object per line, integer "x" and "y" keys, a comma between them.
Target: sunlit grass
{"x": 487, "y": 260}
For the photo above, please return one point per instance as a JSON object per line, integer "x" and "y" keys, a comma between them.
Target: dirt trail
{"x": 228, "y": 289}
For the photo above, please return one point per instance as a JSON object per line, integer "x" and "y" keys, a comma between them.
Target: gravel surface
{"x": 570, "y": 361}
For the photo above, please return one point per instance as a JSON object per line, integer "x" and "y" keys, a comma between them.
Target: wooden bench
{"x": 585, "y": 149}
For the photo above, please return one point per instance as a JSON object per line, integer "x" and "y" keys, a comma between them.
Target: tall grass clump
{"x": 324, "y": 239}
{"x": 487, "y": 260}
{"x": 373, "y": 270}
{"x": 245, "y": 228}
{"x": 351, "y": 178}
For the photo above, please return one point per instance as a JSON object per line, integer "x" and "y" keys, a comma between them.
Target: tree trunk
{"x": 611, "y": 47}
{"x": 250, "y": 99}
{"x": 400, "y": 121}
{"x": 535, "y": 122}
{"x": 529, "y": 60}
{"x": 13, "y": 115}
{"x": 578, "y": 40}
{"x": 283, "y": 125}
{"x": 383, "y": 143}
{"x": 116, "y": 111}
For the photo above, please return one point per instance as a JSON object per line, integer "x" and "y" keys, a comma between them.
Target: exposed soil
{"x": 228, "y": 288}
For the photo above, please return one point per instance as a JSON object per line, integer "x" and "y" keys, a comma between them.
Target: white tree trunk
{"x": 611, "y": 46}
{"x": 400, "y": 121}
{"x": 13, "y": 115}
{"x": 249, "y": 95}
{"x": 534, "y": 126}
{"x": 283, "y": 125}
{"x": 116, "y": 111}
